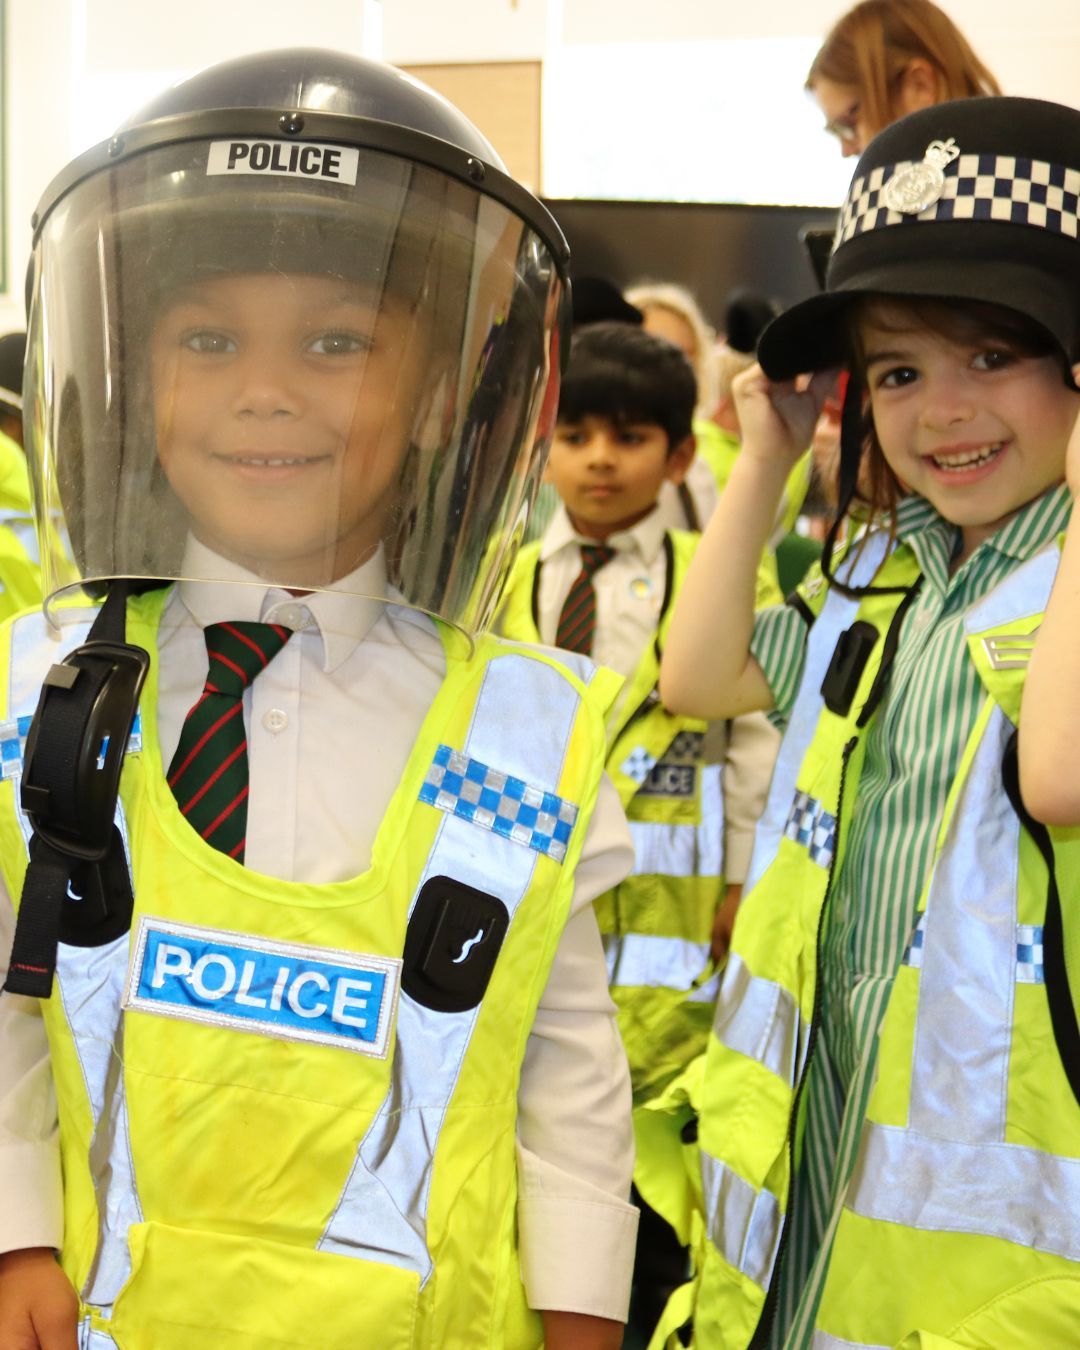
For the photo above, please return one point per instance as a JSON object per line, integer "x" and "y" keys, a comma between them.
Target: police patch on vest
{"x": 676, "y": 774}
{"x": 292, "y": 159}
{"x": 669, "y": 778}
{"x": 283, "y": 989}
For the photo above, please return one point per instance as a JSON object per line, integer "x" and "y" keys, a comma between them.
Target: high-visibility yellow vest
{"x": 266, "y": 1140}
{"x": 961, "y": 1226}
{"x": 20, "y": 562}
{"x": 656, "y": 924}
{"x": 762, "y": 1036}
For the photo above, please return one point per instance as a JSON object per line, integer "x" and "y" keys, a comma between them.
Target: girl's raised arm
{"x": 1050, "y": 712}
{"x": 707, "y": 669}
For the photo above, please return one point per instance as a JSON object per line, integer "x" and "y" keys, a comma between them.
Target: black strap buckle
{"x": 75, "y": 749}
{"x": 77, "y": 888}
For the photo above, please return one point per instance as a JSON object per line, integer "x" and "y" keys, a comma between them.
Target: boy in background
{"x": 601, "y": 582}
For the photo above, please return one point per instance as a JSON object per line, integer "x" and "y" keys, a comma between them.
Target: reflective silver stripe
{"x": 1023, "y": 593}
{"x": 92, "y": 1339}
{"x": 823, "y": 1341}
{"x": 968, "y": 975}
{"x": 705, "y": 993}
{"x": 35, "y": 646}
{"x": 662, "y": 849}
{"x": 1005, "y": 1191}
{"x": 760, "y": 1019}
{"x": 25, "y": 531}
{"x": 382, "y": 1211}
{"x": 837, "y": 613}
{"x": 637, "y": 960}
{"x": 90, "y": 982}
{"x": 743, "y": 1224}
{"x": 960, "y": 1069}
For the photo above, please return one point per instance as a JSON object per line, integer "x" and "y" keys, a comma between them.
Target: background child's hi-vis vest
{"x": 20, "y": 559}
{"x": 657, "y": 923}
{"x": 265, "y": 1139}
{"x": 748, "y": 1090}
{"x": 961, "y": 1225}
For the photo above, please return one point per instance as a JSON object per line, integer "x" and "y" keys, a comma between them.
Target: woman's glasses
{"x": 843, "y": 126}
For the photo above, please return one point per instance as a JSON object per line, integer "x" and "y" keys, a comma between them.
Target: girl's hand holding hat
{"x": 777, "y": 418}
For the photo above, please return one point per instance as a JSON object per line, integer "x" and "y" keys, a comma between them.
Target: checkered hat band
{"x": 497, "y": 801}
{"x": 977, "y": 187}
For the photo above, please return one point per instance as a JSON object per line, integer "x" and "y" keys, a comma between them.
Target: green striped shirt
{"x": 913, "y": 749}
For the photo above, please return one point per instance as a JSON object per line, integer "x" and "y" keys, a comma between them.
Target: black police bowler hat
{"x": 977, "y": 199}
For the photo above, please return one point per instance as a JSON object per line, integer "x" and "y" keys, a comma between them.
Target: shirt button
{"x": 292, "y": 616}
{"x": 275, "y": 720}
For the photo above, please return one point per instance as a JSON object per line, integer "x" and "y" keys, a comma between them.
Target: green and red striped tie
{"x": 577, "y": 622}
{"x": 209, "y": 772}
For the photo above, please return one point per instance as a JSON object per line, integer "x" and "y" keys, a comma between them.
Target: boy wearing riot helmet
{"x": 338, "y": 951}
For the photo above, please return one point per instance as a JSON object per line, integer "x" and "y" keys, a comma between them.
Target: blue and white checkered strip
{"x": 686, "y": 745}
{"x": 810, "y": 825}
{"x": 638, "y": 764}
{"x": 13, "y": 743}
{"x": 977, "y": 187}
{"x": 1029, "y": 954}
{"x": 914, "y": 953}
{"x": 495, "y": 801}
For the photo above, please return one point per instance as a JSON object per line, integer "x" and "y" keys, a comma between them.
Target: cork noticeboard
{"x": 502, "y": 99}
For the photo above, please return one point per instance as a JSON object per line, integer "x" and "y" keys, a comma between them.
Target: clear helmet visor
{"x": 309, "y": 381}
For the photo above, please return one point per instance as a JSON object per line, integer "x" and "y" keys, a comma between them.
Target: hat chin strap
{"x": 851, "y": 454}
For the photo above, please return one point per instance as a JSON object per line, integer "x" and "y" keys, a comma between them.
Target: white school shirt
{"x": 629, "y": 597}
{"x": 330, "y": 725}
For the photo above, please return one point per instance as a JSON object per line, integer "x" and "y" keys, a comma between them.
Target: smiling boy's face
{"x": 282, "y": 406}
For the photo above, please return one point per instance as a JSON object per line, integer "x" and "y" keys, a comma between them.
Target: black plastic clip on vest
{"x": 77, "y": 887}
{"x": 853, "y": 648}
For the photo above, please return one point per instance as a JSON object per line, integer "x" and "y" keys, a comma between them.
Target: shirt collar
{"x": 645, "y": 539}
{"x": 934, "y": 540}
{"x": 343, "y": 614}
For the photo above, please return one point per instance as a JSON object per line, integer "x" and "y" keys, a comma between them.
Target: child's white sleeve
{"x": 32, "y": 1212}
{"x": 752, "y": 745}
{"x": 575, "y": 1141}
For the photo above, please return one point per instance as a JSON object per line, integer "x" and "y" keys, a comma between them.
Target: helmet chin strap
{"x": 851, "y": 456}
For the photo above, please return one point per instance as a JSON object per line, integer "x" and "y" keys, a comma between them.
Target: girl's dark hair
{"x": 619, "y": 371}
{"x": 967, "y": 322}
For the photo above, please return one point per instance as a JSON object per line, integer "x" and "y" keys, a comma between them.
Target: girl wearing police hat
{"x": 312, "y": 1045}
{"x": 888, "y": 1128}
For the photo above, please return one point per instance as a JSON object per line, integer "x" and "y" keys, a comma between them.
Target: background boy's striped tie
{"x": 209, "y": 772}
{"x": 577, "y": 622}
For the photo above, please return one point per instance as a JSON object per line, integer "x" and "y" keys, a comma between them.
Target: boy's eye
{"x": 570, "y": 435}
{"x": 208, "y": 341}
{"x": 339, "y": 342}
{"x": 630, "y": 436}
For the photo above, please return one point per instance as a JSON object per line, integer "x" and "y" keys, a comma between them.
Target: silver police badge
{"x": 920, "y": 185}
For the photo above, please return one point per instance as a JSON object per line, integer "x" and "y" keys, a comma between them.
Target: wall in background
{"x": 635, "y": 93}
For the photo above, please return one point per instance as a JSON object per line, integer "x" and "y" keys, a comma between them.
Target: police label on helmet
{"x": 293, "y": 159}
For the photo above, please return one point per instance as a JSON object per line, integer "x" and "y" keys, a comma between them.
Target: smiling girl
{"x": 893, "y": 1050}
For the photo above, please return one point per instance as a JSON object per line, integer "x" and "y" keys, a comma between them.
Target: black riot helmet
{"x": 293, "y": 323}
